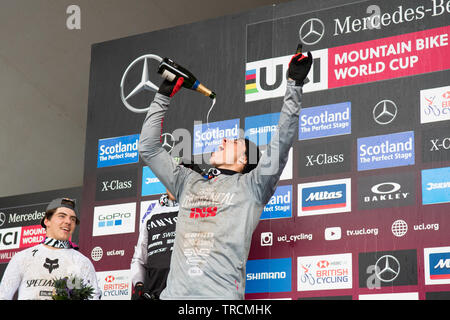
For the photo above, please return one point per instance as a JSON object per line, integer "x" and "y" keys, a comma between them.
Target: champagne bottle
{"x": 170, "y": 70}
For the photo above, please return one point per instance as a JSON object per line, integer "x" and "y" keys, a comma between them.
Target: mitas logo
{"x": 203, "y": 212}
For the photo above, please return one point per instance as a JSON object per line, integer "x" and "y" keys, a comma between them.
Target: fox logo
{"x": 51, "y": 264}
{"x": 203, "y": 212}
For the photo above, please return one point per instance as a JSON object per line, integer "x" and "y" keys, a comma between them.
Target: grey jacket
{"x": 217, "y": 217}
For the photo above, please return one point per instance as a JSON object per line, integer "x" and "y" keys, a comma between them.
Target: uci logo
{"x": 266, "y": 79}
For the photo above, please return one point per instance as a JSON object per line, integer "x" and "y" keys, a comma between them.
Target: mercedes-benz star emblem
{"x": 311, "y": 31}
{"x": 2, "y": 218}
{"x": 168, "y": 142}
{"x": 387, "y": 268}
{"x": 144, "y": 84}
{"x": 384, "y": 112}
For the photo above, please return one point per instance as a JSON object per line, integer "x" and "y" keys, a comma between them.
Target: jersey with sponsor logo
{"x": 34, "y": 270}
{"x": 152, "y": 253}
{"x": 217, "y": 217}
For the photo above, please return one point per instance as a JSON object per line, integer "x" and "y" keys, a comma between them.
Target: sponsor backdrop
{"x": 20, "y": 221}
{"x": 362, "y": 209}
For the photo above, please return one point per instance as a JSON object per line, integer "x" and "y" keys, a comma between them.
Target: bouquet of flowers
{"x": 71, "y": 288}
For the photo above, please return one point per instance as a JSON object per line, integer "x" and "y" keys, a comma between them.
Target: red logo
{"x": 203, "y": 212}
{"x": 446, "y": 95}
{"x": 109, "y": 279}
{"x": 323, "y": 264}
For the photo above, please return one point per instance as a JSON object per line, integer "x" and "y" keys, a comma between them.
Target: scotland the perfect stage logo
{"x": 117, "y": 151}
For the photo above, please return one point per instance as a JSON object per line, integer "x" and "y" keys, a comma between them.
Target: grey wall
{"x": 44, "y": 75}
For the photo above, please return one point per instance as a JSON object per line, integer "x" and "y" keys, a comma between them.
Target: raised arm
{"x": 264, "y": 178}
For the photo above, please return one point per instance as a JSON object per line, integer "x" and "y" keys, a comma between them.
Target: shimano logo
{"x": 264, "y": 129}
{"x": 266, "y": 275}
{"x": 324, "y": 195}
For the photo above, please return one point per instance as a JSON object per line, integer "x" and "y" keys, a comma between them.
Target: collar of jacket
{"x": 214, "y": 172}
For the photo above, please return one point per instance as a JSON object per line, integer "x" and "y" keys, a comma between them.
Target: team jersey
{"x": 151, "y": 259}
{"x": 217, "y": 216}
{"x": 33, "y": 271}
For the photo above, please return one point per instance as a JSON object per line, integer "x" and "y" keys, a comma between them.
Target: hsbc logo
{"x": 265, "y": 79}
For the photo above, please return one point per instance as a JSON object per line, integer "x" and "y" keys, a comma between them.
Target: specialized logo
{"x": 385, "y": 151}
{"x": 205, "y": 212}
{"x": 118, "y": 151}
{"x": 387, "y": 268}
{"x": 436, "y": 185}
{"x": 279, "y": 205}
{"x": 311, "y": 31}
{"x": 259, "y": 129}
{"x": 435, "y": 104}
{"x": 208, "y": 136}
{"x": 114, "y": 219}
{"x": 436, "y": 144}
{"x": 437, "y": 265}
{"x": 384, "y": 191}
{"x": 325, "y": 121}
{"x": 150, "y": 183}
{"x": 324, "y": 158}
{"x": 324, "y": 197}
{"x": 51, "y": 265}
{"x": 268, "y": 275}
{"x": 324, "y": 272}
{"x": 384, "y": 112}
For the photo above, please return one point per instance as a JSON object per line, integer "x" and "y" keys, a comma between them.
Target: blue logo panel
{"x": 259, "y": 129}
{"x": 325, "y": 121}
{"x": 268, "y": 275}
{"x": 324, "y": 197}
{"x": 436, "y": 185}
{"x": 280, "y": 204}
{"x": 207, "y": 137}
{"x": 440, "y": 266}
{"x": 117, "y": 151}
{"x": 385, "y": 151}
{"x": 150, "y": 183}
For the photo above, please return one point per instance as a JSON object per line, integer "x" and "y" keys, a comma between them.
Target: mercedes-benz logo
{"x": 311, "y": 31}
{"x": 387, "y": 268}
{"x": 2, "y": 218}
{"x": 144, "y": 85}
{"x": 168, "y": 142}
{"x": 384, "y": 112}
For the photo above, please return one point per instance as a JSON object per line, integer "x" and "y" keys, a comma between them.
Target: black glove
{"x": 169, "y": 88}
{"x": 138, "y": 291}
{"x": 299, "y": 67}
